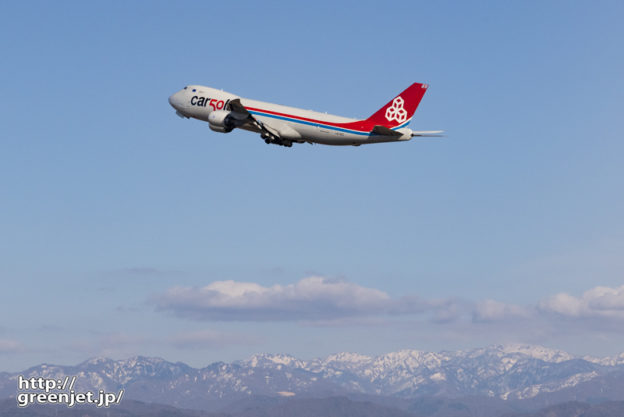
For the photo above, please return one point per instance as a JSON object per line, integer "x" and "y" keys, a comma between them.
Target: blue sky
{"x": 127, "y": 230}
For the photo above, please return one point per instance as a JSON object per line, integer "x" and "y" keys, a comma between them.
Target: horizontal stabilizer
{"x": 428, "y": 133}
{"x": 384, "y": 131}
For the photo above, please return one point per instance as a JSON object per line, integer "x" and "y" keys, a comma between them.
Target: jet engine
{"x": 221, "y": 121}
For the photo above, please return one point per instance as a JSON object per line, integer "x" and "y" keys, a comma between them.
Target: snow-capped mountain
{"x": 508, "y": 372}
{"x": 512, "y": 372}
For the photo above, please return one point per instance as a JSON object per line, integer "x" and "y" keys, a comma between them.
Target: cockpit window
{"x": 186, "y": 87}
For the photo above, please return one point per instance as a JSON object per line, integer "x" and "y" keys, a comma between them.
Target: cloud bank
{"x": 321, "y": 301}
{"x": 598, "y": 302}
{"x": 313, "y": 298}
{"x": 492, "y": 310}
{"x": 10, "y": 346}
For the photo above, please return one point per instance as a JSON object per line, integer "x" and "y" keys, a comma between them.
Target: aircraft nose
{"x": 175, "y": 101}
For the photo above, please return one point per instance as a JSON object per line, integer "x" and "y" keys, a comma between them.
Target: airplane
{"x": 282, "y": 125}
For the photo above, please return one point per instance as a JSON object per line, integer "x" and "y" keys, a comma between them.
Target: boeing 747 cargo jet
{"x": 282, "y": 125}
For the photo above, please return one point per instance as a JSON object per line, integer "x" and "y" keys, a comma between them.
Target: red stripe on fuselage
{"x": 358, "y": 125}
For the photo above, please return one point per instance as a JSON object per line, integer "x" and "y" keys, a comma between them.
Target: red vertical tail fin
{"x": 399, "y": 110}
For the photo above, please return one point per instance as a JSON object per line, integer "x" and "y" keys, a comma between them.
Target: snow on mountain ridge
{"x": 268, "y": 359}
{"x": 538, "y": 352}
{"x": 606, "y": 361}
{"x": 348, "y": 357}
{"x": 508, "y": 372}
{"x": 413, "y": 359}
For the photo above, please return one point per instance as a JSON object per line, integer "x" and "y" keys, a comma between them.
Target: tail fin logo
{"x": 396, "y": 111}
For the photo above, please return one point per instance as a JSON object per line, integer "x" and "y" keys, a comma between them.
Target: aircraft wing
{"x": 283, "y": 136}
{"x": 237, "y": 107}
{"x": 382, "y": 130}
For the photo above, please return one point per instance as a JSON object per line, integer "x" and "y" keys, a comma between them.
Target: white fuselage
{"x": 289, "y": 123}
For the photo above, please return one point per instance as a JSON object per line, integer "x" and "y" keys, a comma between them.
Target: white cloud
{"x": 448, "y": 310}
{"x": 321, "y": 302}
{"x": 313, "y": 298}
{"x": 10, "y": 346}
{"x": 599, "y": 301}
{"x": 492, "y": 310}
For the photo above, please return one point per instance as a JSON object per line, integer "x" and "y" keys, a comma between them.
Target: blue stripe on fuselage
{"x": 304, "y": 122}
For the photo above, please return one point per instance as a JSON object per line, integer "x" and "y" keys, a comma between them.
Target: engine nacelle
{"x": 221, "y": 121}
{"x": 219, "y": 129}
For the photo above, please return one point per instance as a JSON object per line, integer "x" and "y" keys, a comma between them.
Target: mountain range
{"x": 488, "y": 381}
